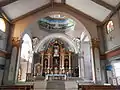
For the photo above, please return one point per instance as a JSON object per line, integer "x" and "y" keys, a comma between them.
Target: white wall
{"x": 87, "y": 59}
{"x": 3, "y": 40}
{"x": 2, "y": 65}
{"x": 22, "y": 24}
{"x": 115, "y": 42}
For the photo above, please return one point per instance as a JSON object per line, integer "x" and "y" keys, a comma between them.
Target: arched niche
{"x": 25, "y": 61}
{"x": 53, "y": 36}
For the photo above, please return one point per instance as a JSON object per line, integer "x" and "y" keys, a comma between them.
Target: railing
{"x": 17, "y": 87}
{"x": 97, "y": 87}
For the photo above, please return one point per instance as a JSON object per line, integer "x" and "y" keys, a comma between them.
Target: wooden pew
{"x": 97, "y": 87}
{"x": 17, "y": 87}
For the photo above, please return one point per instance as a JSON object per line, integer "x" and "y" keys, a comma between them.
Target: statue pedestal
{"x": 56, "y": 70}
{"x": 39, "y": 78}
{"x": 29, "y": 77}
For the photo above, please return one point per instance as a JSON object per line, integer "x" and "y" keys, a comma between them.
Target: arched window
{"x": 2, "y": 25}
{"x": 26, "y": 48}
{"x": 110, "y": 27}
{"x": 25, "y": 65}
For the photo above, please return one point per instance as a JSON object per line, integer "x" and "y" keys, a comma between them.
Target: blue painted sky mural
{"x": 56, "y": 24}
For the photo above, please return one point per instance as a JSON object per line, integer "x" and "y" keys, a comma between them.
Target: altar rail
{"x": 97, "y": 87}
{"x": 17, "y": 87}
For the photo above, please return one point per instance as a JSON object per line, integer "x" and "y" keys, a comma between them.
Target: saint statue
{"x": 56, "y": 62}
{"x": 56, "y": 51}
{"x": 38, "y": 69}
{"x": 19, "y": 73}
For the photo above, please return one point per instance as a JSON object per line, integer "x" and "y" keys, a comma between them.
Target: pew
{"x": 98, "y": 87}
{"x": 17, "y": 87}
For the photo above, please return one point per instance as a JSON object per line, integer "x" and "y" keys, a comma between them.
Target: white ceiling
{"x": 112, "y": 2}
{"x": 96, "y": 11}
{"x": 90, "y": 8}
{"x": 22, "y": 7}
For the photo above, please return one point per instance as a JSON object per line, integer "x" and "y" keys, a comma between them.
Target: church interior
{"x": 59, "y": 44}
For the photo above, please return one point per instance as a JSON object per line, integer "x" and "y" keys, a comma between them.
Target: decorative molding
{"x": 110, "y": 54}
{"x": 95, "y": 43}
{"x": 113, "y": 49}
{"x": 16, "y": 42}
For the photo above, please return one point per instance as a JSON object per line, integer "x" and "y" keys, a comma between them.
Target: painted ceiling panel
{"x": 22, "y": 7}
{"x": 112, "y": 2}
{"x": 90, "y": 8}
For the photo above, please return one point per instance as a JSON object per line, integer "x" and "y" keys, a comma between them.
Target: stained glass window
{"x": 110, "y": 27}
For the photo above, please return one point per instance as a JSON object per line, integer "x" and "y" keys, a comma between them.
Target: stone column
{"x": 82, "y": 67}
{"x": 48, "y": 60}
{"x": 69, "y": 60}
{"x": 60, "y": 61}
{"x": 42, "y": 58}
{"x": 13, "y": 69}
{"x": 63, "y": 62}
{"x": 96, "y": 60}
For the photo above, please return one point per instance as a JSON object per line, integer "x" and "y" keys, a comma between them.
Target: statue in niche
{"x": 19, "y": 73}
{"x": 38, "y": 69}
{"x": 56, "y": 51}
{"x": 56, "y": 63}
{"x": 45, "y": 63}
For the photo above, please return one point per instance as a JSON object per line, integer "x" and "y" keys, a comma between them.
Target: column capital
{"x": 16, "y": 41}
{"x": 95, "y": 42}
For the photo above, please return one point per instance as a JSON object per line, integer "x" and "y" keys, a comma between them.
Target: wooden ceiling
{"x": 100, "y": 10}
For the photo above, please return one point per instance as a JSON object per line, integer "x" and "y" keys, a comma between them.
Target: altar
{"x": 55, "y": 77}
{"x": 54, "y": 62}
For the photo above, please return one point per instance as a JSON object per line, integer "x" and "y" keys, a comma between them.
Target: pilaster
{"x": 96, "y": 60}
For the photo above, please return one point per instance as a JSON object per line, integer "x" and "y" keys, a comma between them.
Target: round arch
{"x": 26, "y": 46}
{"x": 56, "y": 35}
{"x": 25, "y": 58}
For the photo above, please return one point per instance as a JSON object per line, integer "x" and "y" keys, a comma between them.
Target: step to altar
{"x": 55, "y": 85}
{"x": 58, "y": 84}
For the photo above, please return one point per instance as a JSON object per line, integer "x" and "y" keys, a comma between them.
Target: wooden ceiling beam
{"x": 6, "y": 2}
{"x": 104, "y": 4}
{"x": 5, "y": 16}
{"x": 111, "y": 14}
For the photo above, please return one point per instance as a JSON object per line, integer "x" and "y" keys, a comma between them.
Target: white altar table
{"x": 55, "y": 76}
